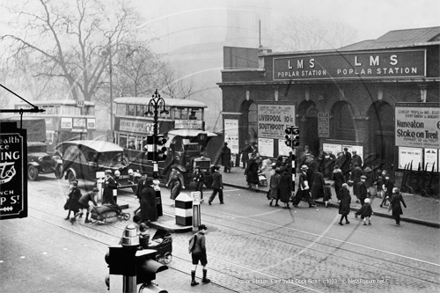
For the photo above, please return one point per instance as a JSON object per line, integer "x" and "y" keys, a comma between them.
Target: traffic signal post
{"x": 129, "y": 265}
{"x": 157, "y": 102}
{"x": 292, "y": 141}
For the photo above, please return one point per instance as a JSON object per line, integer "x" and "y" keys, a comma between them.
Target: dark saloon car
{"x": 39, "y": 162}
{"x": 82, "y": 159}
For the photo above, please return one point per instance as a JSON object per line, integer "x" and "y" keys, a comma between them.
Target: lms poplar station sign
{"x": 13, "y": 179}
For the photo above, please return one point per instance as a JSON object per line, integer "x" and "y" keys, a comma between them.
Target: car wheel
{"x": 126, "y": 216}
{"x": 167, "y": 257}
{"x": 59, "y": 172}
{"x": 32, "y": 173}
{"x": 71, "y": 176}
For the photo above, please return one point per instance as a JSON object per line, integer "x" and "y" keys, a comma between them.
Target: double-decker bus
{"x": 65, "y": 120}
{"x": 183, "y": 124}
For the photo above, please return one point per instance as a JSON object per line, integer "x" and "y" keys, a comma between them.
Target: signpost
{"x": 13, "y": 179}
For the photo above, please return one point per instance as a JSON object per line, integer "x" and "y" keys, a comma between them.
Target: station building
{"x": 339, "y": 98}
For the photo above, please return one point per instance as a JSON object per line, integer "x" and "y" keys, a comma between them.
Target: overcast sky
{"x": 370, "y": 18}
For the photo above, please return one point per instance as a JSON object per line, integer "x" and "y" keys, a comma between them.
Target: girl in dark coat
{"x": 72, "y": 203}
{"x": 344, "y": 204}
{"x": 251, "y": 173}
{"x": 365, "y": 212}
{"x": 395, "y": 206}
{"x": 148, "y": 202}
{"x": 109, "y": 185}
{"x": 285, "y": 187}
{"x": 338, "y": 179}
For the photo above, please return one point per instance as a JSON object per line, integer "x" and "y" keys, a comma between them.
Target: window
{"x": 140, "y": 110}
{"x": 131, "y": 110}
{"x": 121, "y": 110}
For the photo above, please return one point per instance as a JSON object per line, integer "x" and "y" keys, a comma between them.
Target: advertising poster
{"x": 265, "y": 147}
{"x": 431, "y": 160}
{"x": 231, "y": 135}
{"x": 408, "y": 155}
{"x": 273, "y": 120}
{"x": 323, "y": 125}
{"x": 332, "y": 148}
{"x": 66, "y": 123}
{"x": 283, "y": 149}
{"x": 417, "y": 125}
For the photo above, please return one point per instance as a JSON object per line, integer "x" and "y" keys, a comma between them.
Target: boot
{"x": 205, "y": 280}
{"x": 193, "y": 278}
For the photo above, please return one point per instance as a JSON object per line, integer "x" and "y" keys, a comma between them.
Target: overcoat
{"x": 226, "y": 156}
{"x": 285, "y": 187}
{"x": 74, "y": 196}
{"x": 252, "y": 172}
{"x": 107, "y": 195}
{"x": 274, "y": 186}
{"x": 396, "y": 208}
{"x": 344, "y": 205}
{"x": 338, "y": 179}
{"x": 318, "y": 185}
{"x": 148, "y": 204}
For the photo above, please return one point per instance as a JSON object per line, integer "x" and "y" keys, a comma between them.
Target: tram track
{"x": 286, "y": 239}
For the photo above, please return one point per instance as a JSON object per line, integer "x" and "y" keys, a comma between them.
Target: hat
{"x": 367, "y": 200}
{"x": 108, "y": 172}
{"x": 202, "y": 227}
{"x": 368, "y": 169}
{"x": 117, "y": 173}
{"x": 387, "y": 175}
{"x": 396, "y": 190}
{"x": 363, "y": 177}
{"x": 74, "y": 183}
{"x": 345, "y": 149}
{"x": 336, "y": 167}
{"x": 130, "y": 172}
{"x": 95, "y": 189}
{"x": 304, "y": 167}
{"x": 149, "y": 181}
{"x": 345, "y": 185}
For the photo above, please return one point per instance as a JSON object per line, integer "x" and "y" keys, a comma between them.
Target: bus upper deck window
{"x": 131, "y": 110}
{"x": 121, "y": 110}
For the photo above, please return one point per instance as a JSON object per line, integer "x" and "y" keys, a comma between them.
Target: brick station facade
{"x": 344, "y": 97}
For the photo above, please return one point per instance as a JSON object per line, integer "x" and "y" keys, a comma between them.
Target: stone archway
{"x": 342, "y": 126}
{"x": 308, "y": 125}
{"x": 381, "y": 140}
{"x": 248, "y": 125}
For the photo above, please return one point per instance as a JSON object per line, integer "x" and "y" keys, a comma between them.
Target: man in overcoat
{"x": 226, "y": 158}
{"x": 148, "y": 202}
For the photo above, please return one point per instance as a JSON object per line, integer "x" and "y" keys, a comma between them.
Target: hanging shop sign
{"x": 273, "y": 119}
{"x": 13, "y": 179}
{"x": 417, "y": 125}
{"x": 383, "y": 64}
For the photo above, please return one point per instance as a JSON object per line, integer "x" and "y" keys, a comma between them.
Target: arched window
{"x": 253, "y": 122}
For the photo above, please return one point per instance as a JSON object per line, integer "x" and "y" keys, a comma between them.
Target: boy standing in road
{"x": 217, "y": 185}
{"x": 198, "y": 254}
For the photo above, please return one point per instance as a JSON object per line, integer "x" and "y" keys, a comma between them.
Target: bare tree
{"x": 298, "y": 34}
{"x": 67, "y": 38}
{"x": 174, "y": 85}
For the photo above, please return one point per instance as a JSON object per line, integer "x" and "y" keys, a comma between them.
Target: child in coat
{"x": 365, "y": 212}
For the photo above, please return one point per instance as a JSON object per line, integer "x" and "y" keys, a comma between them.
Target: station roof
{"x": 400, "y": 38}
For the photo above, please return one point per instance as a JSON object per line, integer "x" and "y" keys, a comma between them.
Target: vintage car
{"x": 38, "y": 161}
{"x": 82, "y": 159}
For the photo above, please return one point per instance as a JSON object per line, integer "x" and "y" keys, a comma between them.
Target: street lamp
{"x": 156, "y": 102}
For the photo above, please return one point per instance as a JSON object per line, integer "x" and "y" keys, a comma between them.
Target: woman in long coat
{"x": 285, "y": 187}
{"x": 338, "y": 179}
{"x": 318, "y": 185}
{"x": 148, "y": 202}
{"x": 395, "y": 206}
{"x": 175, "y": 183}
{"x": 251, "y": 173}
{"x": 72, "y": 204}
{"x": 274, "y": 187}
{"x": 344, "y": 204}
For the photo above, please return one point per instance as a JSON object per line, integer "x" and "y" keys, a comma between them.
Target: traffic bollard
{"x": 197, "y": 220}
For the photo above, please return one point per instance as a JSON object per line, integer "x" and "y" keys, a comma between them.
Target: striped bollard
{"x": 197, "y": 219}
{"x": 183, "y": 210}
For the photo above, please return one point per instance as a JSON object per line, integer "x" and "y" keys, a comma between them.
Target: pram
{"x": 102, "y": 213}
{"x": 262, "y": 180}
{"x": 162, "y": 242}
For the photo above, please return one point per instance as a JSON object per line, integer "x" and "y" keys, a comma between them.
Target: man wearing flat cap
{"x": 303, "y": 188}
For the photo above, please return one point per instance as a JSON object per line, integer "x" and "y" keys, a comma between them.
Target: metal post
{"x": 111, "y": 88}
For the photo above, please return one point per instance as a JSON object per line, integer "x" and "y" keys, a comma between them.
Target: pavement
{"x": 420, "y": 210}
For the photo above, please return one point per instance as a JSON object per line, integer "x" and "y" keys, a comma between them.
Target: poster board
{"x": 406, "y": 155}
{"x": 231, "y": 134}
{"x": 431, "y": 159}
{"x": 265, "y": 147}
{"x": 283, "y": 149}
{"x": 273, "y": 120}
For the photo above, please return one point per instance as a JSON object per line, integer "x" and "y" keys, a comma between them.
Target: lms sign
{"x": 13, "y": 179}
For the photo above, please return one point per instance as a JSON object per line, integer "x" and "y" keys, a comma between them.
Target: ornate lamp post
{"x": 156, "y": 103}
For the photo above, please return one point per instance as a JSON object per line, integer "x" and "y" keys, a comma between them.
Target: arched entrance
{"x": 308, "y": 124}
{"x": 342, "y": 124}
{"x": 248, "y": 122}
{"x": 381, "y": 141}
